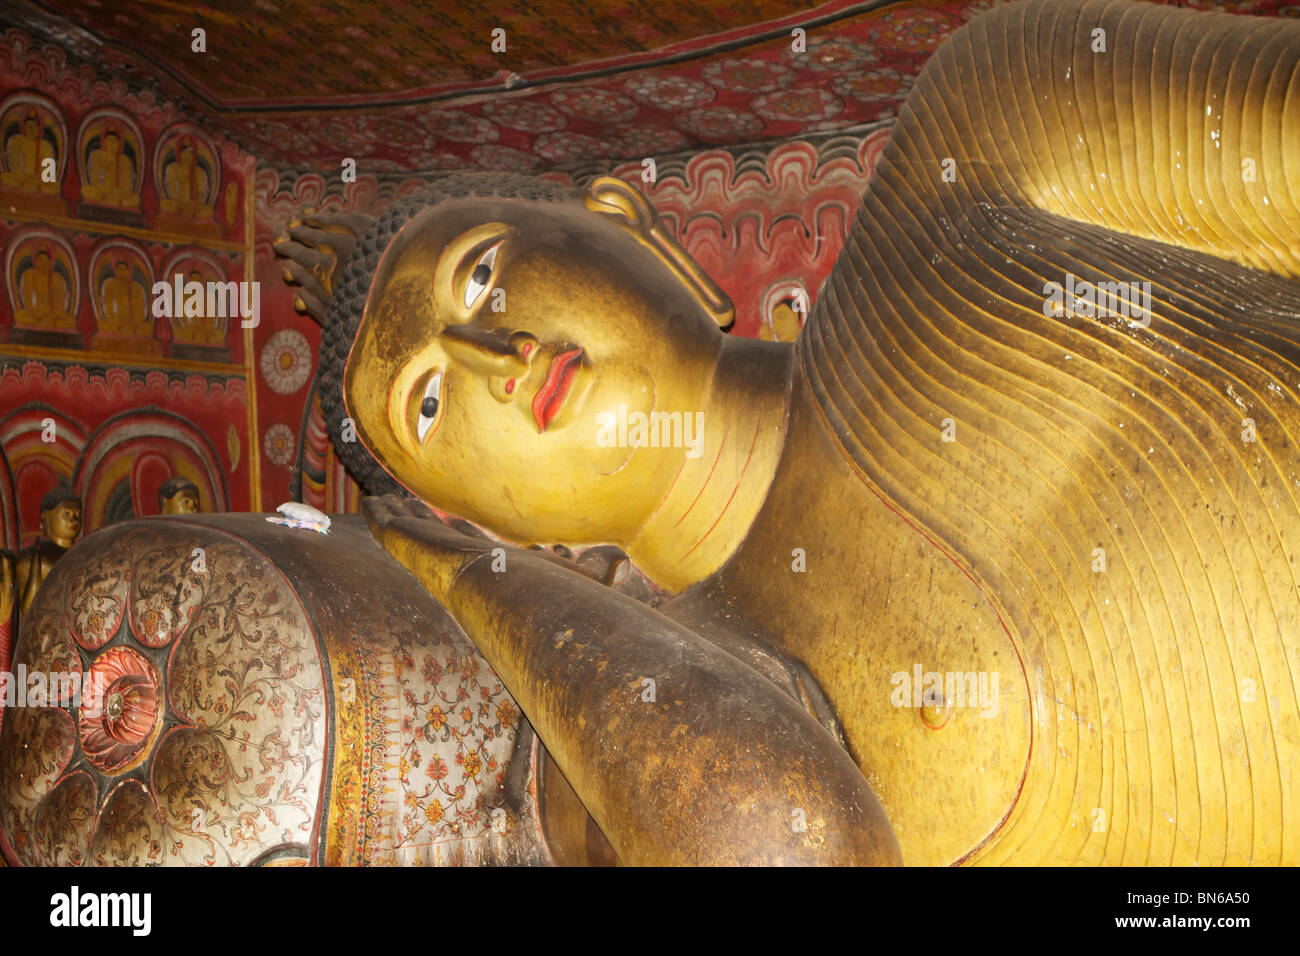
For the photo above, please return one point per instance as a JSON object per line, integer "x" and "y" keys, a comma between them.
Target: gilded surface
{"x": 1040, "y": 428}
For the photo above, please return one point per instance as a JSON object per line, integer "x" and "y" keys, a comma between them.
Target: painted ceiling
{"x": 415, "y": 85}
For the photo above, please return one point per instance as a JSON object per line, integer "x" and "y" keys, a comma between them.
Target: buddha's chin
{"x": 627, "y": 458}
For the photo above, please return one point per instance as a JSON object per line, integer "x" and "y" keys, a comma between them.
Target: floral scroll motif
{"x": 225, "y": 656}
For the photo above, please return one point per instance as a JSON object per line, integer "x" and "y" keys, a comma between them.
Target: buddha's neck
{"x": 63, "y": 543}
{"x": 716, "y": 495}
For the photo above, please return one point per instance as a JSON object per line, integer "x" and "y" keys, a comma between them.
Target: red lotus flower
{"x": 118, "y": 717}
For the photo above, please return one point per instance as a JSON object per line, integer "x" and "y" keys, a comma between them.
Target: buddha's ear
{"x": 614, "y": 197}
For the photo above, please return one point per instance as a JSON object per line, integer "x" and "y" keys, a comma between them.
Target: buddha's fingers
{"x": 321, "y": 256}
{"x": 316, "y": 238}
{"x": 296, "y": 274}
{"x": 611, "y": 685}
{"x": 322, "y": 251}
{"x": 424, "y": 544}
{"x": 308, "y": 304}
{"x": 339, "y": 223}
{"x": 317, "y": 265}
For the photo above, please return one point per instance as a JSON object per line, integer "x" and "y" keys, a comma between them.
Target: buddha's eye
{"x": 480, "y": 277}
{"x": 429, "y": 406}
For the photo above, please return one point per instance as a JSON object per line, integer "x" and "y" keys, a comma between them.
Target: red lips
{"x": 559, "y": 379}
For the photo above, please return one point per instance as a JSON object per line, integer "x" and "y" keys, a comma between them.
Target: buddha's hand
{"x": 318, "y": 246}
{"x": 436, "y": 551}
{"x": 423, "y": 543}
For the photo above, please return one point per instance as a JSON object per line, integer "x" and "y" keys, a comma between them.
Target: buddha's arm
{"x": 1173, "y": 125}
{"x": 7, "y": 589}
{"x": 27, "y": 573}
{"x": 611, "y": 686}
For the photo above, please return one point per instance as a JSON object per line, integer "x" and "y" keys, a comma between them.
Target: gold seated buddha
{"x": 44, "y": 297}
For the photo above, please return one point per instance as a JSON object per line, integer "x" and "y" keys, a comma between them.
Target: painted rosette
{"x": 286, "y": 361}
{"x": 120, "y": 708}
{"x": 279, "y": 444}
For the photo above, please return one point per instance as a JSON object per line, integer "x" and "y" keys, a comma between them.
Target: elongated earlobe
{"x": 614, "y": 197}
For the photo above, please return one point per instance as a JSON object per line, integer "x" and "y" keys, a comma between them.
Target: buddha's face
{"x": 184, "y": 502}
{"x": 63, "y": 521}
{"x": 495, "y": 334}
{"x": 122, "y": 270}
{"x": 42, "y": 262}
{"x": 31, "y": 129}
{"x": 186, "y": 156}
{"x": 111, "y": 144}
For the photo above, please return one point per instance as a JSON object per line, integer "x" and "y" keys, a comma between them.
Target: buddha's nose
{"x": 493, "y": 352}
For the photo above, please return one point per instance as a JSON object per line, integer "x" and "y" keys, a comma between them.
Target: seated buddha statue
{"x": 960, "y": 575}
{"x": 185, "y": 186}
{"x": 43, "y": 296}
{"x": 110, "y": 174}
{"x": 25, "y": 152}
{"x": 125, "y": 310}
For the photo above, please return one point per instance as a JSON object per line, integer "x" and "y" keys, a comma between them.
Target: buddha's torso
{"x": 111, "y": 174}
{"x": 1121, "y": 489}
{"x": 832, "y": 576}
{"x": 185, "y": 184}
{"x": 25, "y": 157}
{"x": 38, "y": 291}
{"x": 1117, "y": 516}
{"x": 123, "y": 301}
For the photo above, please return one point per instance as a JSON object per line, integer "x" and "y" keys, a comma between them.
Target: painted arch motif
{"x": 145, "y": 447}
{"x": 35, "y": 464}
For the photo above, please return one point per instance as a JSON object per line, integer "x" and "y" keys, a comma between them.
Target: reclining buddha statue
{"x": 996, "y": 564}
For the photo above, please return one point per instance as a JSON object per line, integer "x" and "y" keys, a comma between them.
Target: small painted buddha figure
{"x": 178, "y": 496}
{"x": 785, "y": 324}
{"x": 43, "y": 296}
{"x": 25, "y": 154}
{"x": 60, "y": 525}
{"x": 123, "y": 303}
{"x": 110, "y": 173}
{"x": 201, "y": 329}
{"x": 185, "y": 185}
